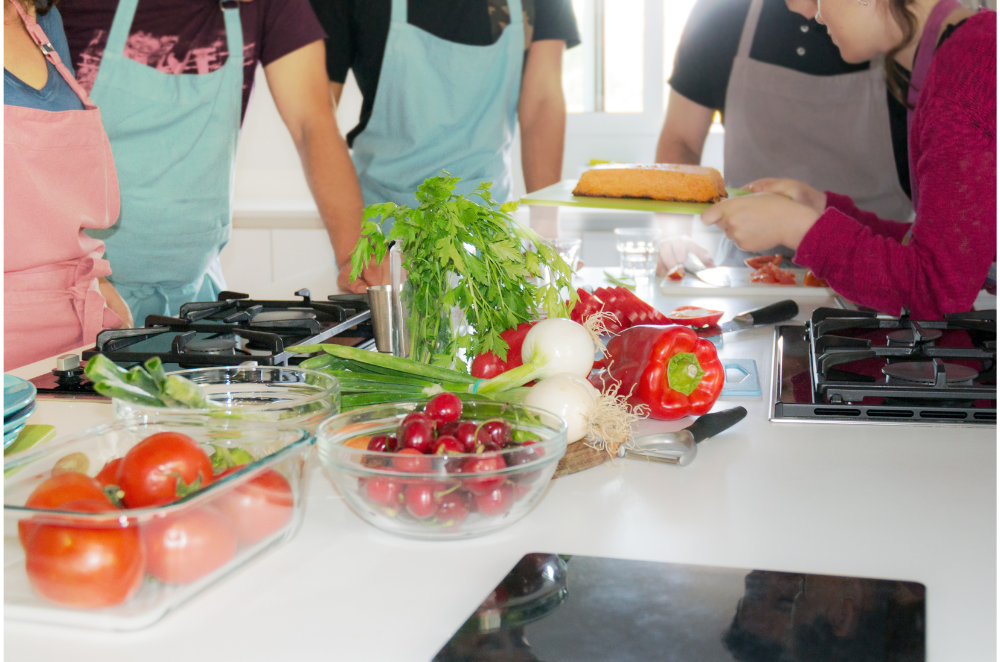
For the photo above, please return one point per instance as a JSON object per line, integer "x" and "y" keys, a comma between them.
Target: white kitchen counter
{"x": 901, "y": 502}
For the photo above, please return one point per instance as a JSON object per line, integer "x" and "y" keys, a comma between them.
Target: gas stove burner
{"x": 912, "y": 337}
{"x": 925, "y": 372}
{"x": 284, "y": 315}
{"x": 859, "y": 367}
{"x": 212, "y": 346}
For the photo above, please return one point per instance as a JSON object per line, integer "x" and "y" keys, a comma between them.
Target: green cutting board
{"x": 561, "y": 195}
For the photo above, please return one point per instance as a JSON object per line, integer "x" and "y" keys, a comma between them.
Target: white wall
{"x": 277, "y": 232}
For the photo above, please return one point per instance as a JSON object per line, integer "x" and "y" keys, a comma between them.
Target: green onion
{"x": 396, "y": 363}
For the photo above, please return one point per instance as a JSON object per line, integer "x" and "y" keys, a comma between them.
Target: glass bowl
{"x": 292, "y": 397}
{"x": 247, "y": 512}
{"x": 389, "y": 490}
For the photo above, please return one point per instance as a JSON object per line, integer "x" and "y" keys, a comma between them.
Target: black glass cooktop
{"x": 555, "y": 608}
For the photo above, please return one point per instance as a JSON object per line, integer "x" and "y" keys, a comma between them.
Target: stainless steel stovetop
{"x": 847, "y": 366}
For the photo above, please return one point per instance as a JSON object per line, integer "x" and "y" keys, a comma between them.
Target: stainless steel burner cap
{"x": 210, "y": 345}
{"x": 923, "y": 372}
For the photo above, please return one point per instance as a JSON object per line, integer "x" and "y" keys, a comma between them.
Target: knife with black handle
{"x": 681, "y": 447}
{"x": 776, "y": 312}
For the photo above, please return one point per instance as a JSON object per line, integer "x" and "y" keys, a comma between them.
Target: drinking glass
{"x": 638, "y": 248}
{"x": 569, "y": 250}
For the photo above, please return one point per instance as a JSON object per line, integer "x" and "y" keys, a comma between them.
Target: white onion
{"x": 559, "y": 346}
{"x": 570, "y": 397}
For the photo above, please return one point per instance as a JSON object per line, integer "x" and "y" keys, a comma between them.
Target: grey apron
{"x": 831, "y": 132}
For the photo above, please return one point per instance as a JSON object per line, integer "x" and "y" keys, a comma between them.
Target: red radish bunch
{"x": 468, "y": 483}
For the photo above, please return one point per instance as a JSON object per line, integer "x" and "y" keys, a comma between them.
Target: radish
{"x": 604, "y": 418}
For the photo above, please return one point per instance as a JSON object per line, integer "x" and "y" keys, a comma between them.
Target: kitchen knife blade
{"x": 781, "y": 311}
{"x": 681, "y": 447}
{"x": 714, "y": 276}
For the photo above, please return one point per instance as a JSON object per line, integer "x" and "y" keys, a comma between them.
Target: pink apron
{"x": 59, "y": 179}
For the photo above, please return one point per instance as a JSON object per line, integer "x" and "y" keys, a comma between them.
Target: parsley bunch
{"x": 463, "y": 253}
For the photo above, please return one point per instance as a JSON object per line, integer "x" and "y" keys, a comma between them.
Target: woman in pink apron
{"x": 939, "y": 263}
{"x": 59, "y": 179}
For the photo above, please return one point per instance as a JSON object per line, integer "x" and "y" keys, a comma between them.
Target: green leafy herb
{"x": 459, "y": 252}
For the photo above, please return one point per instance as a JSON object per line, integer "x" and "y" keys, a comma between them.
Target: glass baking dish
{"x": 239, "y": 516}
{"x": 291, "y": 397}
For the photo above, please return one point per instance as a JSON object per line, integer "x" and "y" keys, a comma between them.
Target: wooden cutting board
{"x": 561, "y": 195}
{"x": 579, "y": 457}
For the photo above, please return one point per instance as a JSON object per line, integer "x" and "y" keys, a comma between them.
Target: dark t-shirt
{"x": 711, "y": 38}
{"x": 185, "y": 37}
{"x": 358, "y": 30}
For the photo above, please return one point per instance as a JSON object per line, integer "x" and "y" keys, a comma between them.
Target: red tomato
{"x": 677, "y": 273}
{"x": 162, "y": 468}
{"x": 109, "y": 473}
{"x": 759, "y": 261}
{"x": 259, "y": 507}
{"x": 85, "y": 566}
{"x": 812, "y": 280}
{"x": 186, "y": 547}
{"x": 57, "y": 491}
{"x": 694, "y": 316}
{"x": 772, "y": 275}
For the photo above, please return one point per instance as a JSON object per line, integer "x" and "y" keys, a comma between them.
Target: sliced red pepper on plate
{"x": 666, "y": 368}
{"x": 694, "y": 316}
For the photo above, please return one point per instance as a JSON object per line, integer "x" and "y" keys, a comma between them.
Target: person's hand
{"x": 115, "y": 303}
{"x": 762, "y": 221}
{"x": 674, "y": 251}
{"x": 373, "y": 274}
{"x": 790, "y": 188}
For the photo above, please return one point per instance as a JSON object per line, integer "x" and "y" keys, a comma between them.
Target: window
{"x": 623, "y": 62}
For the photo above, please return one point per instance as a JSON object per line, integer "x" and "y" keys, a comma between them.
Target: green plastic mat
{"x": 561, "y": 195}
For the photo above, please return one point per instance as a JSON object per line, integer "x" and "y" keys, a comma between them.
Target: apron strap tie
{"x": 88, "y": 302}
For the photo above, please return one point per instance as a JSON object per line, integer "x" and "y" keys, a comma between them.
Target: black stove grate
{"x": 856, "y": 366}
{"x": 228, "y": 332}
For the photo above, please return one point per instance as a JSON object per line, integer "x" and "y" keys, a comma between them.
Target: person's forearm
{"x": 543, "y": 134}
{"x": 882, "y": 226}
{"x": 671, "y": 149}
{"x": 334, "y": 184}
{"x": 115, "y": 302}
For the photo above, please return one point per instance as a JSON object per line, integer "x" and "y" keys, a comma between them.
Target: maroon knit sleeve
{"x": 942, "y": 266}
{"x": 881, "y": 226}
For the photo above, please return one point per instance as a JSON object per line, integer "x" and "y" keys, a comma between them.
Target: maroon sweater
{"x": 941, "y": 267}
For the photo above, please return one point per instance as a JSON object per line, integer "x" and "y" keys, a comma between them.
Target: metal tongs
{"x": 681, "y": 447}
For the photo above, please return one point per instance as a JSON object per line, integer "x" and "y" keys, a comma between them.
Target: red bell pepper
{"x": 666, "y": 368}
{"x": 489, "y": 365}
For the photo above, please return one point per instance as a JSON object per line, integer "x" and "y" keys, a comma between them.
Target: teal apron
{"x": 441, "y": 106}
{"x": 174, "y": 144}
